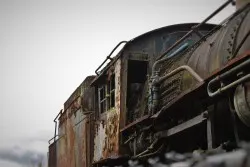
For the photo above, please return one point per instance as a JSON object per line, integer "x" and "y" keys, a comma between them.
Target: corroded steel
{"x": 111, "y": 142}
{"x": 92, "y": 132}
{"x": 106, "y": 141}
{"x": 81, "y": 133}
{"x": 52, "y": 155}
{"x": 73, "y": 146}
{"x": 99, "y": 139}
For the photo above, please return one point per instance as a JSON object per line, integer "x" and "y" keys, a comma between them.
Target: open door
{"x": 136, "y": 88}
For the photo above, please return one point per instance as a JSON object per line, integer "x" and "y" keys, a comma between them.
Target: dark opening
{"x": 137, "y": 75}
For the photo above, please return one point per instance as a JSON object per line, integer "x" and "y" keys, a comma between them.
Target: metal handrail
{"x": 177, "y": 70}
{"x": 195, "y": 28}
{"x": 231, "y": 85}
{"x": 109, "y": 56}
{"x": 54, "y": 138}
{"x": 59, "y": 114}
{"x": 224, "y": 75}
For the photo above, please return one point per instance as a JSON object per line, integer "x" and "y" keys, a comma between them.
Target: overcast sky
{"x": 48, "y": 47}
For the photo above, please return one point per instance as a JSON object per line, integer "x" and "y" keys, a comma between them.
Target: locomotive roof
{"x": 169, "y": 29}
{"x": 175, "y": 28}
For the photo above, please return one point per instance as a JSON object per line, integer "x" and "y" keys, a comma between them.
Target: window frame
{"x": 106, "y": 95}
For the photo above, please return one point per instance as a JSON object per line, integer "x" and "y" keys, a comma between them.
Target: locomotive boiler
{"x": 183, "y": 87}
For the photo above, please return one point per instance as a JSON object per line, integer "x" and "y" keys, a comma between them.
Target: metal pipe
{"x": 59, "y": 137}
{"x": 177, "y": 70}
{"x": 52, "y": 139}
{"x": 153, "y": 153}
{"x": 235, "y": 69}
{"x": 144, "y": 152}
{"x": 218, "y": 10}
{"x": 155, "y": 76}
{"x": 231, "y": 85}
{"x": 196, "y": 27}
{"x": 81, "y": 121}
{"x": 224, "y": 75}
{"x": 156, "y": 80}
{"x": 56, "y": 123}
{"x": 108, "y": 57}
{"x": 148, "y": 149}
{"x": 131, "y": 138}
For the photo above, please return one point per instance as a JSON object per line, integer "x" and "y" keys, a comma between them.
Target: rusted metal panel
{"x": 73, "y": 146}
{"x": 111, "y": 146}
{"x": 106, "y": 140}
{"x": 66, "y": 155}
{"x": 52, "y": 155}
{"x": 66, "y": 147}
{"x": 80, "y": 139}
{"x": 72, "y": 98}
{"x": 123, "y": 92}
{"x": 61, "y": 147}
{"x": 99, "y": 141}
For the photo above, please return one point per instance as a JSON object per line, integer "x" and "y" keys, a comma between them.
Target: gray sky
{"x": 47, "y": 48}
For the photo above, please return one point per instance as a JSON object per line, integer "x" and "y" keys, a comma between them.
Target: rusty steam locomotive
{"x": 182, "y": 87}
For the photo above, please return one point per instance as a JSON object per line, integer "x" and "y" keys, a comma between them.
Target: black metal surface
{"x": 186, "y": 125}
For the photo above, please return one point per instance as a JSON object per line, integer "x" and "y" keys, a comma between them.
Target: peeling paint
{"x": 107, "y": 133}
{"x": 72, "y": 146}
